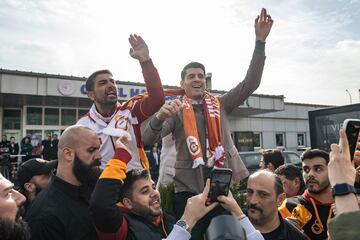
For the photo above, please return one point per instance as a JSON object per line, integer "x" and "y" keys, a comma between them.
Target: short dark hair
{"x": 90, "y": 80}
{"x": 290, "y": 172}
{"x": 313, "y": 153}
{"x": 278, "y": 185}
{"x": 131, "y": 177}
{"x": 191, "y": 65}
{"x": 273, "y": 156}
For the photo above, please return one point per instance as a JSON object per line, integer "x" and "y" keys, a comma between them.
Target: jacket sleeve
{"x": 153, "y": 130}
{"x": 150, "y": 104}
{"x": 236, "y": 96}
{"x": 103, "y": 203}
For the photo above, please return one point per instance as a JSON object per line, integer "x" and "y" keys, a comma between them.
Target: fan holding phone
{"x": 352, "y": 127}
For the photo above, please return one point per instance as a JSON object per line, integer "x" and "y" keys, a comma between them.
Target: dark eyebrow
{"x": 9, "y": 188}
{"x": 143, "y": 188}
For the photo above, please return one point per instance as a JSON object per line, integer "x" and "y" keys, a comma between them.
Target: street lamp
{"x": 349, "y": 95}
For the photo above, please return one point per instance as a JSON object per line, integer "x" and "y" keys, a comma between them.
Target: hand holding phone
{"x": 219, "y": 183}
{"x": 352, "y": 127}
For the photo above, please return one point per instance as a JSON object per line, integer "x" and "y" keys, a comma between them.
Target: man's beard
{"x": 322, "y": 187}
{"x": 17, "y": 230}
{"x": 146, "y": 212}
{"x": 86, "y": 174}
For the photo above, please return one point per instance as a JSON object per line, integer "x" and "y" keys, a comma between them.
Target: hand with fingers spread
{"x": 139, "y": 50}
{"x": 169, "y": 109}
{"x": 263, "y": 24}
{"x": 196, "y": 207}
{"x": 341, "y": 169}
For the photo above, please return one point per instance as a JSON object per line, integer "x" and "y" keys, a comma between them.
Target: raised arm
{"x": 150, "y": 104}
{"x": 244, "y": 89}
{"x": 103, "y": 209}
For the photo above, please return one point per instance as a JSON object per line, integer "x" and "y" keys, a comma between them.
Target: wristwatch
{"x": 343, "y": 189}
{"x": 183, "y": 224}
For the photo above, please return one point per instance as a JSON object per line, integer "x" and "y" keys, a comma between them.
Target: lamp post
{"x": 349, "y": 95}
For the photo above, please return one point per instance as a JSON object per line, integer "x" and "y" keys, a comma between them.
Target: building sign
{"x": 71, "y": 88}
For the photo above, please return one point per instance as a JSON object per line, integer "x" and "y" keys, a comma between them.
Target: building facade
{"x": 38, "y": 104}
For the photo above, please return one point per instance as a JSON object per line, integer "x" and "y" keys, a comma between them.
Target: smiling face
{"x": 315, "y": 172}
{"x": 194, "y": 83}
{"x": 145, "y": 199}
{"x": 104, "y": 91}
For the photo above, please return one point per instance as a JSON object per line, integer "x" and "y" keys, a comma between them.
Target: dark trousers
{"x": 200, "y": 227}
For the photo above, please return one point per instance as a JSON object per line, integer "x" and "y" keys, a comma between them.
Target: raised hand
{"x": 263, "y": 24}
{"x": 139, "y": 50}
{"x": 196, "y": 206}
{"x": 340, "y": 168}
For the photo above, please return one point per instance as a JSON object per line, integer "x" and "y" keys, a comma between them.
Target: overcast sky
{"x": 312, "y": 51}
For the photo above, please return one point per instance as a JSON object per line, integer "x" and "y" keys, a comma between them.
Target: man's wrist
{"x": 341, "y": 189}
{"x": 144, "y": 59}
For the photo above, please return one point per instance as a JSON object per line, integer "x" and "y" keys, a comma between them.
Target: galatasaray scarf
{"x": 122, "y": 118}
{"x": 214, "y": 150}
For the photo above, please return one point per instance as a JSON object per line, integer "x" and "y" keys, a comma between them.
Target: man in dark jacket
{"x": 139, "y": 214}
{"x": 264, "y": 195}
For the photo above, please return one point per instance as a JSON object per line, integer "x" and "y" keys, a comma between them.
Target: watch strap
{"x": 343, "y": 189}
{"x": 183, "y": 224}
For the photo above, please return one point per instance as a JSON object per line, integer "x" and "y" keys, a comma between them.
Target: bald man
{"x": 61, "y": 210}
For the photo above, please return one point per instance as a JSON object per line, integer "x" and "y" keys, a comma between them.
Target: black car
{"x": 252, "y": 159}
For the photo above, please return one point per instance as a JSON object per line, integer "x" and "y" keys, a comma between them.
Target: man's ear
{"x": 68, "y": 154}
{"x": 29, "y": 187}
{"x": 297, "y": 182}
{"x": 271, "y": 167}
{"x": 91, "y": 95}
{"x": 127, "y": 203}
{"x": 280, "y": 199}
{"x": 182, "y": 83}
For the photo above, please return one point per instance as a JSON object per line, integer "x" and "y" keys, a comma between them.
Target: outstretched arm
{"x": 103, "y": 209}
{"x": 341, "y": 170}
{"x": 150, "y": 104}
{"x": 251, "y": 82}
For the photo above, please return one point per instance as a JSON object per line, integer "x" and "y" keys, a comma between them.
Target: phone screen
{"x": 352, "y": 127}
{"x": 220, "y": 183}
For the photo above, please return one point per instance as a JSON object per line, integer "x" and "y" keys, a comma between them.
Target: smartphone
{"x": 352, "y": 127}
{"x": 219, "y": 183}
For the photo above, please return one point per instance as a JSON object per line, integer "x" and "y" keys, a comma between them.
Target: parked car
{"x": 252, "y": 159}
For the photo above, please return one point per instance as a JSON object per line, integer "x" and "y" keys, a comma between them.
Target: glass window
{"x": 257, "y": 140}
{"x": 51, "y": 133}
{"x": 34, "y": 116}
{"x": 68, "y": 116}
{"x": 280, "y": 141}
{"x": 12, "y": 119}
{"x": 82, "y": 112}
{"x": 301, "y": 139}
{"x": 35, "y": 136}
{"x": 51, "y": 116}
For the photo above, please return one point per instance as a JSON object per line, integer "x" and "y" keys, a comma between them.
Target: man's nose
{"x": 19, "y": 198}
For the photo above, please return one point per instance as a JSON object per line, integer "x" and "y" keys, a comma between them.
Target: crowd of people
{"x": 100, "y": 186}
